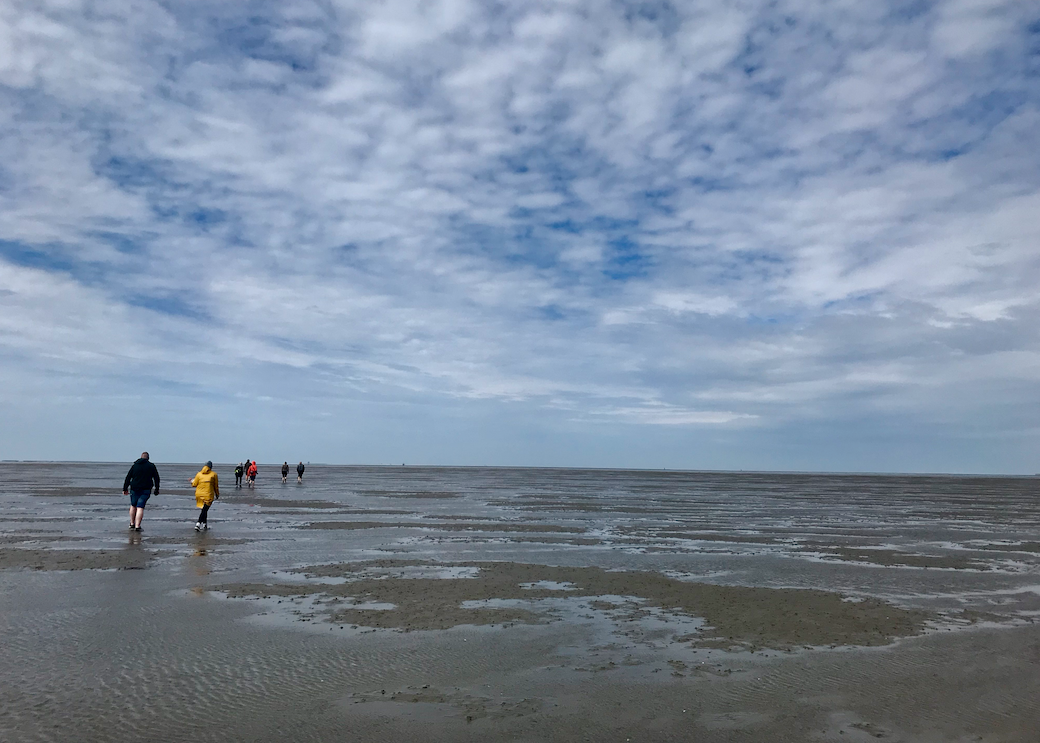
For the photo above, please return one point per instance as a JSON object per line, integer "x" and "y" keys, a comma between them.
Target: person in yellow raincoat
{"x": 207, "y": 490}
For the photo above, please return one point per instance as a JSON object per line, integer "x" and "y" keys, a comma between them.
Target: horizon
{"x": 274, "y": 463}
{"x": 695, "y": 236}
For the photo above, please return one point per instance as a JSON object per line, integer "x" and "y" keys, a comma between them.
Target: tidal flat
{"x": 484, "y": 604}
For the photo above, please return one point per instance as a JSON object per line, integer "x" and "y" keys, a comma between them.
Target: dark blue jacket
{"x": 140, "y": 477}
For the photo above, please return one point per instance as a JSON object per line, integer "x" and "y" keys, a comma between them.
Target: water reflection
{"x": 200, "y": 561}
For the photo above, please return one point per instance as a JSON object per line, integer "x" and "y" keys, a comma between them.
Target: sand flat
{"x": 527, "y": 605}
{"x": 737, "y": 616}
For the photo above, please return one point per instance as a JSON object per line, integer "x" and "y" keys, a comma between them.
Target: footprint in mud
{"x": 845, "y": 727}
{"x": 472, "y": 707}
{"x": 871, "y": 729}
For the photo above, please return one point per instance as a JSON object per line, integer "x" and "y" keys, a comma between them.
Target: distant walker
{"x": 299, "y": 472}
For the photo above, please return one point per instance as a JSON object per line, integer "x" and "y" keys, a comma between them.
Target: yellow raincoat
{"x": 206, "y": 488}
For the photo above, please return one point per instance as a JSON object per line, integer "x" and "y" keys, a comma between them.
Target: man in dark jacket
{"x": 138, "y": 484}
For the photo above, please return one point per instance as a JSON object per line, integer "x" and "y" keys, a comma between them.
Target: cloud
{"x": 663, "y": 415}
{"x": 617, "y": 212}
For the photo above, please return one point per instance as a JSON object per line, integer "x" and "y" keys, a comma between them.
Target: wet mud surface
{"x": 195, "y": 539}
{"x": 410, "y": 494}
{"x": 736, "y": 616}
{"x": 68, "y": 559}
{"x": 29, "y": 538}
{"x": 245, "y": 497}
{"x": 375, "y": 604}
{"x": 450, "y": 526}
{"x": 892, "y": 557}
{"x": 1033, "y": 547}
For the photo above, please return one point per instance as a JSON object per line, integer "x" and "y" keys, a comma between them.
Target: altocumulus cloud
{"x": 773, "y": 234}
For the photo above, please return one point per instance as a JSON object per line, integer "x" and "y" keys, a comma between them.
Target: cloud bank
{"x": 782, "y": 234}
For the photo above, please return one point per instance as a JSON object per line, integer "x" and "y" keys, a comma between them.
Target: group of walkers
{"x": 142, "y": 481}
{"x": 249, "y": 470}
{"x": 299, "y": 471}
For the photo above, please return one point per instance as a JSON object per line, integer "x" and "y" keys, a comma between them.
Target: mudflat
{"x": 500, "y": 605}
{"x": 71, "y": 559}
{"x": 736, "y": 616}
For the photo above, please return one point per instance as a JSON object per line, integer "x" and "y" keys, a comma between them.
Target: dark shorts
{"x": 139, "y": 497}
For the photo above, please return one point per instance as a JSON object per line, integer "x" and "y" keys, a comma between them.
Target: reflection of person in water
{"x": 207, "y": 490}
{"x": 200, "y": 566}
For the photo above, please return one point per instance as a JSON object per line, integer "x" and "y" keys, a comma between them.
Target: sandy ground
{"x": 450, "y": 526}
{"x": 478, "y": 615}
{"x": 71, "y": 559}
{"x": 737, "y": 616}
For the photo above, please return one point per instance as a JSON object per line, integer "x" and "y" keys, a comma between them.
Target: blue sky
{"x": 752, "y": 235}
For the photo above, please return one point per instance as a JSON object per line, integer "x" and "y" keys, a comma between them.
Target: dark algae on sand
{"x": 735, "y": 616}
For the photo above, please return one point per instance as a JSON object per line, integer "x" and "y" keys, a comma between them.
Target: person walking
{"x": 239, "y": 471}
{"x": 251, "y": 473}
{"x": 138, "y": 485}
{"x": 299, "y": 472}
{"x": 285, "y": 471}
{"x": 207, "y": 490}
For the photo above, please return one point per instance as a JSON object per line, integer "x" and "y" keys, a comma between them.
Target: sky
{"x": 695, "y": 235}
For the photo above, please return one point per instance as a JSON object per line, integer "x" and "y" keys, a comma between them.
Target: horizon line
{"x": 569, "y": 467}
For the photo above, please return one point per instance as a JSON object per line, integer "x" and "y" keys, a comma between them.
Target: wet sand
{"x": 507, "y": 605}
{"x": 450, "y": 526}
{"x": 69, "y": 559}
{"x": 737, "y": 617}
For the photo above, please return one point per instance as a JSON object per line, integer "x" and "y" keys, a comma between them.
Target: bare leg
{"x": 140, "y": 516}
{"x": 133, "y": 514}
